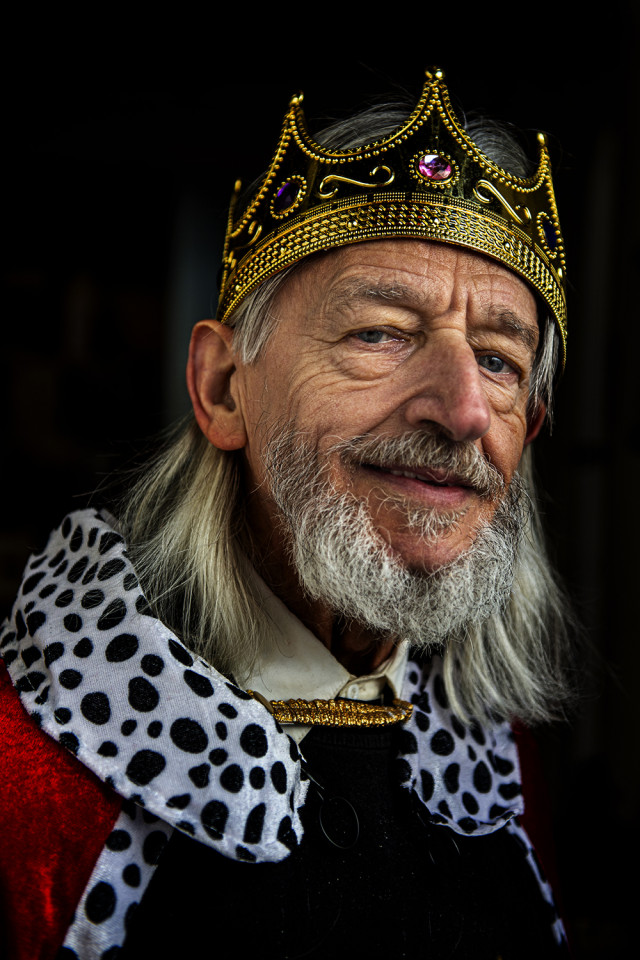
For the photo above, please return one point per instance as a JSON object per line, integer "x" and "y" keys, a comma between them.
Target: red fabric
{"x": 537, "y": 819}
{"x": 56, "y": 816}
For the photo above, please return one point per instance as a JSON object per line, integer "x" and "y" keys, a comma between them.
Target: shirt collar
{"x": 296, "y": 665}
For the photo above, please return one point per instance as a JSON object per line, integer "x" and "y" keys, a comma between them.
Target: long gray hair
{"x": 184, "y": 518}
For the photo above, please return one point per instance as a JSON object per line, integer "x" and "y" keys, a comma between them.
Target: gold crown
{"x": 427, "y": 180}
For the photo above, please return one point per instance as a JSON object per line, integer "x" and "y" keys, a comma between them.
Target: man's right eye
{"x": 373, "y": 336}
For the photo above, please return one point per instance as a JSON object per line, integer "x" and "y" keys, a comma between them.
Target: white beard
{"x": 342, "y": 560}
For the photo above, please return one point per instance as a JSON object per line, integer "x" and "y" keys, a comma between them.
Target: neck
{"x": 359, "y": 649}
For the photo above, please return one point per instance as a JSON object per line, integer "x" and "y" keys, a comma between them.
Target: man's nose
{"x": 449, "y": 390}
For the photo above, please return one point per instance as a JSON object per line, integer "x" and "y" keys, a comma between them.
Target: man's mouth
{"x": 424, "y": 465}
{"x": 432, "y": 476}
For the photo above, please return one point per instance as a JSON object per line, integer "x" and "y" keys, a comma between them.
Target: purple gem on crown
{"x": 434, "y": 167}
{"x": 285, "y": 196}
{"x": 550, "y": 233}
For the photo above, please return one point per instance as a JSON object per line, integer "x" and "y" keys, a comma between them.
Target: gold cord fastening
{"x": 336, "y": 713}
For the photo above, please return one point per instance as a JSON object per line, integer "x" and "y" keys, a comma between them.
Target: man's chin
{"x": 431, "y": 562}
{"x": 426, "y": 552}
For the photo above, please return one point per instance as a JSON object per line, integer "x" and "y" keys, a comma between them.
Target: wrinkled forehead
{"x": 418, "y": 274}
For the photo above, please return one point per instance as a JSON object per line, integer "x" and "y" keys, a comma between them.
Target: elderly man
{"x": 289, "y": 686}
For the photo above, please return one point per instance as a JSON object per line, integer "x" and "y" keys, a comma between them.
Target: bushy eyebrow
{"x": 505, "y": 321}
{"x": 362, "y": 290}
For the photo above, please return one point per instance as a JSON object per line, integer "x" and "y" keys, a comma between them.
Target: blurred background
{"x": 117, "y": 176}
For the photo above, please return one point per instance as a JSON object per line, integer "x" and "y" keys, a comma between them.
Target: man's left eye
{"x": 494, "y": 364}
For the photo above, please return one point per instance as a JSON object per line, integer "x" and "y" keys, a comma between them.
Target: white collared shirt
{"x": 299, "y": 666}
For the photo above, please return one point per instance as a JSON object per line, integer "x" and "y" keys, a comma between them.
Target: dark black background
{"x": 119, "y": 160}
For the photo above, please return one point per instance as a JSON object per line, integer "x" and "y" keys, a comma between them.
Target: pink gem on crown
{"x": 434, "y": 167}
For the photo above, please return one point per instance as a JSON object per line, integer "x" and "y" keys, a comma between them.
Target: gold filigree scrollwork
{"x": 253, "y": 232}
{"x": 325, "y": 194}
{"x": 255, "y": 229}
{"x": 487, "y": 185}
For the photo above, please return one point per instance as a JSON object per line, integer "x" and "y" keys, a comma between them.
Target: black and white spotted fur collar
{"x": 166, "y": 730}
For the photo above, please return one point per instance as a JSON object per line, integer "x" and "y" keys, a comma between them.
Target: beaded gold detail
{"x": 336, "y": 713}
{"x": 428, "y": 180}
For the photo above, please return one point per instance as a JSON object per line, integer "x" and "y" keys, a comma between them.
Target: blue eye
{"x": 372, "y": 336}
{"x": 494, "y": 364}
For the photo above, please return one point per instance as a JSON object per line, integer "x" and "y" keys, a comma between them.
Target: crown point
{"x": 435, "y": 73}
{"x": 542, "y": 139}
{"x": 237, "y": 186}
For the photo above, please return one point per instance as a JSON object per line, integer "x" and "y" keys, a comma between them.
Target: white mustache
{"x": 460, "y": 462}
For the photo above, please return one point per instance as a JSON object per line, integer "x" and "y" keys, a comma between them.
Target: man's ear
{"x": 534, "y": 423}
{"x": 210, "y": 371}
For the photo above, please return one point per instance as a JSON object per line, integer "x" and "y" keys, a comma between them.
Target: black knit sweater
{"x": 372, "y": 878}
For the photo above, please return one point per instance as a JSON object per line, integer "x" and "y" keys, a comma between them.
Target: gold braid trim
{"x": 336, "y": 713}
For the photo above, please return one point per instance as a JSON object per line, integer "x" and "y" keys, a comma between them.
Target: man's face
{"x": 391, "y": 338}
